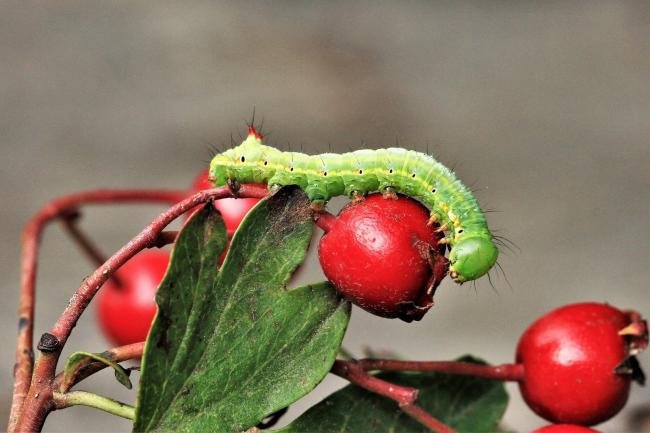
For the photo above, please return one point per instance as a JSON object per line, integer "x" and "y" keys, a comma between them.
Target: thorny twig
{"x": 33, "y": 390}
{"x": 31, "y": 239}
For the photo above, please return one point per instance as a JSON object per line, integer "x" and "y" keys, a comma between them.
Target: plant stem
{"x": 353, "y": 372}
{"x": 324, "y": 220}
{"x": 31, "y": 239}
{"x": 69, "y": 222}
{"x": 423, "y": 417}
{"x": 507, "y": 372}
{"x": 63, "y": 400}
{"x": 31, "y": 417}
{"x": 356, "y": 372}
{"x": 404, "y": 396}
{"x": 147, "y": 237}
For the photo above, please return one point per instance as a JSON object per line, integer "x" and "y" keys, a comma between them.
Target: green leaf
{"x": 465, "y": 403}
{"x": 228, "y": 349}
{"x": 78, "y": 360}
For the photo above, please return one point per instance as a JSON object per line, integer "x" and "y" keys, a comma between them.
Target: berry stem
{"x": 404, "y": 396}
{"x": 63, "y": 400}
{"x": 28, "y": 411}
{"x": 324, "y": 220}
{"x": 506, "y": 372}
{"x": 423, "y": 417}
{"x": 70, "y": 224}
{"x": 353, "y": 372}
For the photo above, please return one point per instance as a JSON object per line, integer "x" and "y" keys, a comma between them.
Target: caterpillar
{"x": 392, "y": 170}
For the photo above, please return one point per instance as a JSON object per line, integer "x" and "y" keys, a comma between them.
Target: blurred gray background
{"x": 544, "y": 107}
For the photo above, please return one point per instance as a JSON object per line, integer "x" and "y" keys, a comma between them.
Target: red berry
{"x": 125, "y": 312}
{"x": 564, "y": 428}
{"x": 569, "y": 357}
{"x": 233, "y": 210}
{"x": 378, "y": 253}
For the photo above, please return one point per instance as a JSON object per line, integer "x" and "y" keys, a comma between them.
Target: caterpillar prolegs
{"x": 417, "y": 175}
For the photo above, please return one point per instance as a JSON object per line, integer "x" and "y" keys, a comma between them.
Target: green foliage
{"x": 465, "y": 403}
{"x": 78, "y": 360}
{"x": 228, "y": 349}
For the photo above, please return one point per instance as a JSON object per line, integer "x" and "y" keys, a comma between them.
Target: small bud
{"x": 48, "y": 343}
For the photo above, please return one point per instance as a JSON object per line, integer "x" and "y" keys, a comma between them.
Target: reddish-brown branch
{"x": 30, "y": 241}
{"x": 147, "y": 237}
{"x": 93, "y": 252}
{"x": 510, "y": 372}
{"x": 31, "y": 418}
{"x": 423, "y": 417}
{"x": 117, "y": 354}
{"x": 404, "y": 396}
{"x": 165, "y": 238}
{"x": 70, "y": 224}
{"x": 353, "y": 372}
{"x": 356, "y": 372}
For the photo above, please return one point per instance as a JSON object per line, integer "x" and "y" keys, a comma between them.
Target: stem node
{"x": 48, "y": 343}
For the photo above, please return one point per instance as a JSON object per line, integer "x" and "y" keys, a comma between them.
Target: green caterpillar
{"x": 417, "y": 175}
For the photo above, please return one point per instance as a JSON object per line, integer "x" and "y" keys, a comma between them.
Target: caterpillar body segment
{"x": 417, "y": 175}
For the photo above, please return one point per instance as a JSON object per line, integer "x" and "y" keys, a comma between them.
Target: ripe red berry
{"x": 379, "y": 253}
{"x": 125, "y": 312}
{"x": 569, "y": 358}
{"x": 564, "y": 428}
{"x": 233, "y": 210}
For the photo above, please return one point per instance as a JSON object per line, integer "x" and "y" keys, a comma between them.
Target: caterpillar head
{"x": 471, "y": 258}
{"x": 243, "y": 158}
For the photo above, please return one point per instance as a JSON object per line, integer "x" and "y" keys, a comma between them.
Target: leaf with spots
{"x": 465, "y": 403}
{"x": 229, "y": 348}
